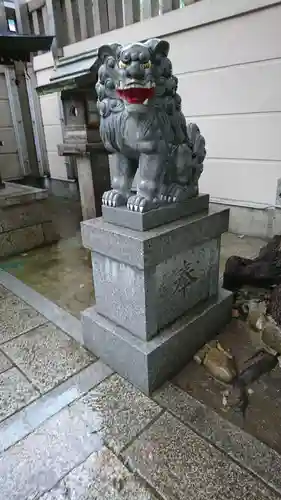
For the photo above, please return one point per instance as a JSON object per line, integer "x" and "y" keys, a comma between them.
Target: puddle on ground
{"x": 61, "y": 272}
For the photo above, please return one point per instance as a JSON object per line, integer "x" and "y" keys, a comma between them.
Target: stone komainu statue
{"x": 143, "y": 125}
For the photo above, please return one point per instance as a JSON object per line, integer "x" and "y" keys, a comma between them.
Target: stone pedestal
{"x": 25, "y": 219}
{"x": 157, "y": 291}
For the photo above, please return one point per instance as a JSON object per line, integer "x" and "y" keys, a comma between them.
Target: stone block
{"x": 144, "y": 301}
{"x": 154, "y": 218}
{"x": 168, "y": 271}
{"x": 18, "y": 216}
{"x": 21, "y": 240}
{"x": 25, "y": 219}
{"x": 50, "y": 233}
{"x": 18, "y": 194}
{"x": 147, "y": 364}
{"x": 149, "y": 248}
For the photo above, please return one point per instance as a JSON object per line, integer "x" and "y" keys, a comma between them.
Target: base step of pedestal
{"x": 149, "y": 364}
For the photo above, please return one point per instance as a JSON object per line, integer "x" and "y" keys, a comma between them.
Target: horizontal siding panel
{"x": 50, "y": 109}
{"x": 5, "y": 114}
{"x": 10, "y": 167}
{"x": 53, "y": 135}
{"x": 247, "y": 88}
{"x": 254, "y": 136}
{"x": 251, "y": 181}
{"x": 252, "y": 37}
{"x": 57, "y": 166}
{"x": 3, "y": 87}
{"x": 7, "y": 135}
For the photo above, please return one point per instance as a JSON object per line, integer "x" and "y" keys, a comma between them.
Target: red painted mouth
{"x": 136, "y": 95}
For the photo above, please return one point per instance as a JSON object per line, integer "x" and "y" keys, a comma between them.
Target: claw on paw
{"x": 138, "y": 203}
{"x": 177, "y": 193}
{"x": 114, "y": 199}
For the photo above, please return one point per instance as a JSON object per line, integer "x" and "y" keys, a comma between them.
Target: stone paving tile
{"x": 4, "y": 292}
{"x": 245, "y": 449}
{"x": 34, "y": 465}
{"x": 122, "y": 411}
{"x": 27, "y": 420}
{"x": 101, "y": 477}
{"x": 47, "y": 356}
{"x": 181, "y": 465}
{"x": 4, "y": 363}
{"x": 15, "y": 392}
{"x": 16, "y": 318}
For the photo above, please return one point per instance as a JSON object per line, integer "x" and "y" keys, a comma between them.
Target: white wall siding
{"x": 250, "y": 182}
{"x": 244, "y": 88}
{"x": 229, "y": 80}
{"x": 229, "y": 70}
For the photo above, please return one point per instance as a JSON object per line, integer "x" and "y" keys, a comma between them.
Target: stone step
{"x": 25, "y": 219}
{"x": 26, "y": 238}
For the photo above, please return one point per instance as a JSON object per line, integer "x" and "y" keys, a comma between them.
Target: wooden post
{"x": 19, "y": 122}
{"x": 100, "y": 16}
{"x": 150, "y": 8}
{"x": 131, "y": 11}
{"x": 35, "y": 22}
{"x": 45, "y": 19}
{"x": 30, "y": 105}
{"x": 165, "y": 6}
{"x": 86, "y": 187}
{"x": 112, "y": 19}
{"x": 86, "y": 18}
{"x": 3, "y": 28}
{"x": 3, "y": 19}
{"x": 39, "y": 140}
{"x": 21, "y": 10}
{"x": 2, "y": 184}
{"x": 57, "y": 27}
{"x": 70, "y": 21}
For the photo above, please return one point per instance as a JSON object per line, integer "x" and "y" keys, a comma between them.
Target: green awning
{"x": 69, "y": 71}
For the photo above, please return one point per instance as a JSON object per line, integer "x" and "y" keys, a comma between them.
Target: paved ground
{"x": 73, "y": 430}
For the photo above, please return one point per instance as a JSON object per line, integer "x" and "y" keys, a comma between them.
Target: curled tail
{"x": 196, "y": 142}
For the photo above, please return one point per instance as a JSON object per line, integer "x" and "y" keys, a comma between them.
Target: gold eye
{"x": 122, "y": 65}
{"x": 146, "y": 65}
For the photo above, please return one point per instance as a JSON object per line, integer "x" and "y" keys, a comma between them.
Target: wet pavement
{"x": 263, "y": 417}
{"x": 62, "y": 272}
{"x": 71, "y": 429}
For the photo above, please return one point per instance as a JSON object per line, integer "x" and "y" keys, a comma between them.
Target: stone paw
{"x": 114, "y": 199}
{"x": 138, "y": 203}
{"x": 177, "y": 194}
